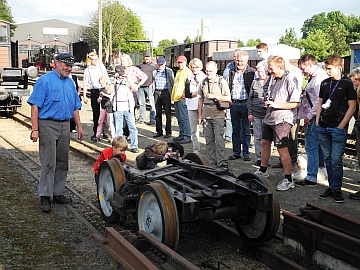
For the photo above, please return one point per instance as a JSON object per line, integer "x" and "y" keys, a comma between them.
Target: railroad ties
{"x": 320, "y": 234}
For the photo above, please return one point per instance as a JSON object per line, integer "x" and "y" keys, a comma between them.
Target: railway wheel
{"x": 198, "y": 158}
{"x": 157, "y": 214}
{"x": 111, "y": 178}
{"x": 262, "y": 226}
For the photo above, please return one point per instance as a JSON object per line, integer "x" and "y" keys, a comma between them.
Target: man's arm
{"x": 78, "y": 124}
{"x": 200, "y": 106}
{"x": 349, "y": 113}
{"x": 318, "y": 111}
{"x": 34, "y": 123}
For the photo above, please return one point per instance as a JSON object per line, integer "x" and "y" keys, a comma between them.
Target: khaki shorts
{"x": 278, "y": 133}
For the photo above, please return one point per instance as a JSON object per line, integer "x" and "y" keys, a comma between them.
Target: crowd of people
{"x": 273, "y": 97}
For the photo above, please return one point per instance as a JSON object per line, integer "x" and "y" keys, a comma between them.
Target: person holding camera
{"x": 124, "y": 103}
{"x": 284, "y": 98}
{"x": 210, "y": 113}
{"x": 337, "y": 104}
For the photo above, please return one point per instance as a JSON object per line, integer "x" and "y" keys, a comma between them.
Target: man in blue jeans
{"x": 240, "y": 80}
{"x": 337, "y": 104}
{"x": 307, "y": 111}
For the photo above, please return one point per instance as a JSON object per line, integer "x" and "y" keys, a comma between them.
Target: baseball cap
{"x": 160, "y": 60}
{"x": 181, "y": 58}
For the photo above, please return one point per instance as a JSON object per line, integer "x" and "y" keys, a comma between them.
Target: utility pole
{"x": 202, "y": 30}
{"x": 100, "y": 30}
{"x": 110, "y": 41}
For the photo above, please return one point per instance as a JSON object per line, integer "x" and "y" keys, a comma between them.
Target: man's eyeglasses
{"x": 94, "y": 59}
{"x": 210, "y": 71}
{"x": 180, "y": 62}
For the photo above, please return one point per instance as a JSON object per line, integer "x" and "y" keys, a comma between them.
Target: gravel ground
{"x": 88, "y": 250}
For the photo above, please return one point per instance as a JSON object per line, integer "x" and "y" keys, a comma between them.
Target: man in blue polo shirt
{"x": 54, "y": 101}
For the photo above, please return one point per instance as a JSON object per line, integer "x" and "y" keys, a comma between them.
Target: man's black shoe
{"x": 355, "y": 196}
{"x": 151, "y": 123}
{"x": 134, "y": 150}
{"x": 233, "y": 157}
{"x": 305, "y": 183}
{"x": 326, "y": 194}
{"x": 184, "y": 141}
{"x": 158, "y": 135}
{"x": 338, "y": 196}
{"x": 258, "y": 163}
{"x": 61, "y": 199}
{"x": 45, "y": 205}
{"x": 167, "y": 135}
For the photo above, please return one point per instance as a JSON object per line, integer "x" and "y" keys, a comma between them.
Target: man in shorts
{"x": 284, "y": 98}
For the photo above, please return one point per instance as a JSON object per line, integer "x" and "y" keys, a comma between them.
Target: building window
{"x": 35, "y": 47}
{"x": 3, "y": 34}
{"x": 23, "y": 48}
{"x": 62, "y": 49}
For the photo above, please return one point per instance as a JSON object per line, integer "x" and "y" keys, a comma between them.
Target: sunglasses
{"x": 69, "y": 61}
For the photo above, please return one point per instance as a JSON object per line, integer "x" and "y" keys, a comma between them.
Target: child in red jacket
{"x": 118, "y": 148}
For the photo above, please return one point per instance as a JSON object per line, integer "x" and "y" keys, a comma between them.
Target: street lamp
{"x": 29, "y": 37}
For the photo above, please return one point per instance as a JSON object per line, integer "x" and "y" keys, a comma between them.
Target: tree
{"x": 341, "y": 29}
{"x": 337, "y": 39}
{"x": 188, "y": 40}
{"x": 316, "y": 44}
{"x": 5, "y": 15}
{"x": 240, "y": 43}
{"x": 119, "y": 25}
{"x": 289, "y": 38}
{"x": 253, "y": 42}
{"x": 163, "y": 44}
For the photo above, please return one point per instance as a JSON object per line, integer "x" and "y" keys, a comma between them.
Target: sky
{"x": 166, "y": 19}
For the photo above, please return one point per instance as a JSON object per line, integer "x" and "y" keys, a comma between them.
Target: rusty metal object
{"x": 311, "y": 237}
{"x": 131, "y": 255}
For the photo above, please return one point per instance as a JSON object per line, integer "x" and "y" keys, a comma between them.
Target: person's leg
{"x": 193, "y": 118}
{"x": 177, "y": 115}
{"x": 95, "y": 106}
{"x": 100, "y": 122}
{"x": 245, "y": 130}
{"x": 312, "y": 151}
{"x": 210, "y": 140}
{"x": 158, "y": 107}
{"x": 167, "y": 109}
{"x": 62, "y": 159}
{"x": 184, "y": 120}
{"x": 218, "y": 127}
{"x": 133, "y": 132}
{"x": 293, "y": 142}
{"x": 325, "y": 141}
{"x": 338, "y": 137}
{"x": 142, "y": 104}
{"x": 228, "y": 132}
{"x": 150, "y": 94}
{"x": 257, "y": 125}
{"x": 118, "y": 121}
{"x": 47, "y": 153}
{"x": 236, "y": 136}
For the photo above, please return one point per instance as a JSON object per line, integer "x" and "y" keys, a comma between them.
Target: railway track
{"x": 111, "y": 239}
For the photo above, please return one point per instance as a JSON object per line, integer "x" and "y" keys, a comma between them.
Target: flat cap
{"x": 66, "y": 58}
{"x": 147, "y": 54}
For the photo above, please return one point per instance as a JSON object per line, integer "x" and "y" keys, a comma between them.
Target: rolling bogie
{"x": 188, "y": 190}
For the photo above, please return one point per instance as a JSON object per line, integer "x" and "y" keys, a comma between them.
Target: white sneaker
{"x": 266, "y": 174}
{"x": 285, "y": 184}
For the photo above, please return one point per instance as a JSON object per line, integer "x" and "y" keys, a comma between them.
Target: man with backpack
{"x": 213, "y": 95}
